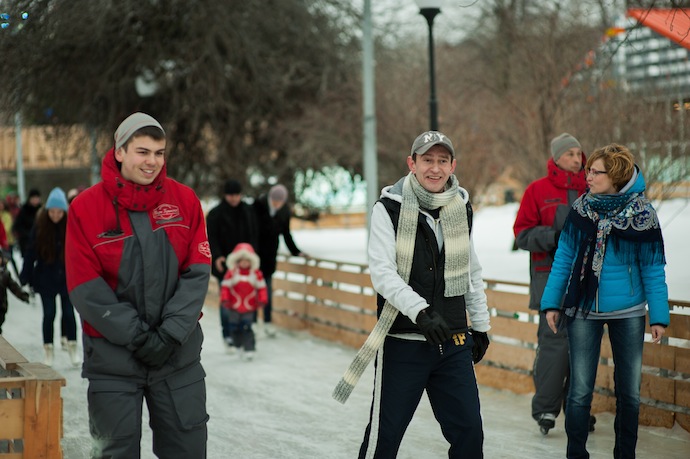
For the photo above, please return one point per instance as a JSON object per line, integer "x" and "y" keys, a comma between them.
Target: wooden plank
{"x": 12, "y": 418}
{"x": 330, "y": 333}
{"x": 678, "y": 328}
{"x": 510, "y": 356}
{"x": 682, "y": 393}
{"x": 656, "y": 417}
{"x": 340, "y": 296}
{"x": 9, "y": 356}
{"x": 682, "y": 361}
{"x": 289, "y": 286}
{"x": 344, "y": 318}
{"x": 508, "y": 301}
{"x": 333, "y": 275}
{"x": 655, "y": 355}
{"x": 287, "y": 267}
{"x": 290, "y": 322}
{"x": 503, "y": 379}
{"x": 42, "y": 415}
{"x": 658, "y": 388}
{"x": 285, "y": 304}
{"x": 513, "y": 328}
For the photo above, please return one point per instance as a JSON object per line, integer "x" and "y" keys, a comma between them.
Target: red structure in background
{"x": 672, "y": 23}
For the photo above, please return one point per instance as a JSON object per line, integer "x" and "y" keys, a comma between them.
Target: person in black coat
{"x": 229, "y": 223}
{"x": 25, "y": 220}
{"x": 274, "y": 220}
{"x": 7, "y": 283}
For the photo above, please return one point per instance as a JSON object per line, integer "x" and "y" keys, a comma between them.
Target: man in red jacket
{"x": 138, "y": 267}
{"x": 543, "y": 210}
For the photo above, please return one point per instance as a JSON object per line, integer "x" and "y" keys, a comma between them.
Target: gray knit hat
{"x": 563, "y": 143}
{"x": 426, "y": 140}
{"x": 278, "y": 193}
{"x": 132, "y": 124}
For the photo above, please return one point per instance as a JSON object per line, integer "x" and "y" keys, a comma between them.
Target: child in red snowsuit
{"x": 243, "y": 291}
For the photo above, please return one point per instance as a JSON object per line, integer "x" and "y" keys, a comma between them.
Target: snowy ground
{"x": 279, "y": 406}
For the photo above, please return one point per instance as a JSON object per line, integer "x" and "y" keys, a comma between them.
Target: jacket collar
{"x": 128, "y": 194}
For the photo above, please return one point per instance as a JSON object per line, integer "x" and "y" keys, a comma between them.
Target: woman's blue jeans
{"x": 627, "y": 339}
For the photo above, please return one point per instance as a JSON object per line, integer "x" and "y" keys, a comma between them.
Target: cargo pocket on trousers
{"x": 188, "y": 394}
{"x": 112, "y": 409}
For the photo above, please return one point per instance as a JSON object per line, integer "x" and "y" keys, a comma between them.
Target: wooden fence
{"x": 336, "y": 301}
{"x": 30, "y": 407}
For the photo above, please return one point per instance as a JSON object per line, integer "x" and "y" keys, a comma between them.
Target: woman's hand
{"x": 657, "y": 332}
{"x": 552, "y": 320}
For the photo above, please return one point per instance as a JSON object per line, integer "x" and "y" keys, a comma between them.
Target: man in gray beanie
{"x": 562, "y": 144}
{"x": 543, "y": 210}
{"x": 138, "y": 267}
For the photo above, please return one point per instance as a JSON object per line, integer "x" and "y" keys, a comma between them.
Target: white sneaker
{"x": 270, "y": 330}
{"x": 248, "y": 355}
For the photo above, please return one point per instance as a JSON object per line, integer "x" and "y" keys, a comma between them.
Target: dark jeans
{"x": 627, "y": 338}
{"x": 68, "y": 322}
{"x": 269, "y": 306}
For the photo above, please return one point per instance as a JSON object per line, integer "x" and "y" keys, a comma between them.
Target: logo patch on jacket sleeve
{"x": 205, "y": 249}
{"x": 166, "y": 213}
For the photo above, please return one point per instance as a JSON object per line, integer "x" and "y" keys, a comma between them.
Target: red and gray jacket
{"x": 543, "y": 210}
{"x": 137, "y": 257}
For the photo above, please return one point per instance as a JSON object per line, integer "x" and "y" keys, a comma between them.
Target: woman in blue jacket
{"x": 609, "y": 269}
{"x": 44, "y": 270}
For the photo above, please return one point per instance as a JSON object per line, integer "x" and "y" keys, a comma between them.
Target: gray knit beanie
{"x": 278, "y": 193}
{"x": 132, "y": 124}
{"x": 563, "y": 143}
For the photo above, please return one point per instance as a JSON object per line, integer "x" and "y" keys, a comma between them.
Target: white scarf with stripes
{"x": 456, "y": 240}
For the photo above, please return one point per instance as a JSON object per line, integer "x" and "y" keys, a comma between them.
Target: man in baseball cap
{"x": 426, "y": 140}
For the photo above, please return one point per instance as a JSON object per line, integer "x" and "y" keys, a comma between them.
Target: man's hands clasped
{"x": 154, "y": 347}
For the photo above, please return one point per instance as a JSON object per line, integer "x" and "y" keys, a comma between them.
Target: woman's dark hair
{"x": 49, "y": 237}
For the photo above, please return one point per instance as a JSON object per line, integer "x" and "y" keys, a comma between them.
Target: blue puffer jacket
{"x": 622, "y": 284}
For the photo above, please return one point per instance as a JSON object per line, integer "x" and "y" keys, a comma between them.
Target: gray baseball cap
{"x": 426, "y": 140}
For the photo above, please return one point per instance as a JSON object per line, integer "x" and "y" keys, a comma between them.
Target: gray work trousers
{"x": 551, "y": 370}
{"x": 177, "y": 416}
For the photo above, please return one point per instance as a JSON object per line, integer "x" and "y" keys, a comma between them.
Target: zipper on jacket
{"x": 596, "y": 301}
{"x": 630, "y": 278}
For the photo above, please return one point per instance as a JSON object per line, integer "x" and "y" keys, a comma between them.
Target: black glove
{"x": 433, "y": 326}
{"x": 481, "y": 344}
{"x": 157, "y": 348}
{"x": 24, "y": 296}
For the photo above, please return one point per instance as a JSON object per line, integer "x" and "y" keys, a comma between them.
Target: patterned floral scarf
{"x": 626, "y": 222}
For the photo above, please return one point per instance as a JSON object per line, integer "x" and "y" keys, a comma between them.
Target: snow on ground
{"x": 279, "y": 406}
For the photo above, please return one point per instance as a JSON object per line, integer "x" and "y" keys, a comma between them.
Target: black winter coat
{"x": 46, "y": 278}
{"x": 270, "y": 228}
{"x": 227, "y": 226}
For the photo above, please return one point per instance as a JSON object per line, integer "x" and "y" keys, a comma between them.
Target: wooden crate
{"x": 30, "y": 407}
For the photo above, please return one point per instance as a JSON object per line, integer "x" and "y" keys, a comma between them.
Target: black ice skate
{"x": 546, "y": 421}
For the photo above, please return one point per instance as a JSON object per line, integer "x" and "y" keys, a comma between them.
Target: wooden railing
{"x": 336, "y": 301}
{"x": 30, "y": 407}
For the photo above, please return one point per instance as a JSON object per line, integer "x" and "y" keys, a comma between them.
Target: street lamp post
{"x": 429, "y": 9}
